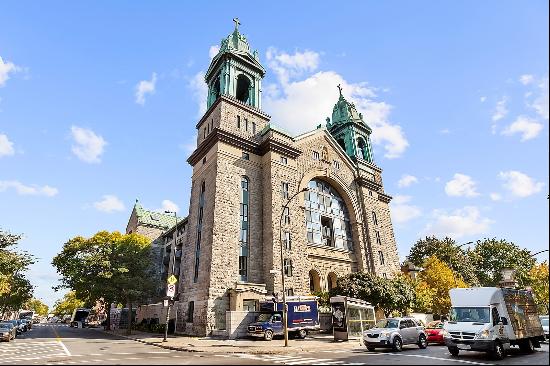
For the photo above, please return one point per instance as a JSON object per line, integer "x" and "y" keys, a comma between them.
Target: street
{"x": 60, "y": 344}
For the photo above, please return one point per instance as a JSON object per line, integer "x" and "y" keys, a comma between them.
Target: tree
{"x": 37, "y": 306}
{"x": 111, "y": 266}
{"x": 490, "y": 256}
{"x": 423, "y": 299}
{"x": 438, "y": 277}
{"x": 67, "y": 304}
{"x": 15, "y": 288}
{"x": 447, "y": 251}
{"x": 390, "y": 295}
{"x": 538, "y": 281}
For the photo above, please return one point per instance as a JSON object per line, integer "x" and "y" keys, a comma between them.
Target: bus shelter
{"x": 350, "y": 317}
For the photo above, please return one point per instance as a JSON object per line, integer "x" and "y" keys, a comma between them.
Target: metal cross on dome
{"x": 237, "y": 23}
{"x": 339, "y": 89}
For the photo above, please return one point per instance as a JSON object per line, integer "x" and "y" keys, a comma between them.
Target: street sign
{"x": 172, "y": 280}
{"x": 165, "y": 302}
{"x": 171, "y": 290}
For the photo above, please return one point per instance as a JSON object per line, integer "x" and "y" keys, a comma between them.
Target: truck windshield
{"x": 476, "y": 315}
{"x": 263, "y": 318}
{"x": 544, "y": 322}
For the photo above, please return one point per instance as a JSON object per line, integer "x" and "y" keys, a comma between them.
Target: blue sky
{"x": 98, "y": 103}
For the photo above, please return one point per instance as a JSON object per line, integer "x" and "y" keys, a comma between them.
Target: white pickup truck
{"x": 491, "y": 319}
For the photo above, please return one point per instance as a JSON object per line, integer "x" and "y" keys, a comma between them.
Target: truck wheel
{"x": 498, "y": 352}
{"x": 268, "y": 335}
{"x": 527, "y": 346}
{"x": 302, "y": 333}
{"x": 422, "y": 343}
{"x": 454, "y": 351}
{"x": 397, "y": 344}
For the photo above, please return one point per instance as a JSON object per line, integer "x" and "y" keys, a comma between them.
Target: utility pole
{"x": 170, "y": 272}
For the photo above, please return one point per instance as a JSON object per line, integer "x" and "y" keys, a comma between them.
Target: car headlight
{"x": 484, "y": 334}
{"x": 445, "y": 334}
{"x": 385, "y": 334}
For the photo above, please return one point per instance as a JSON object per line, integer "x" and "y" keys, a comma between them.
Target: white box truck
{"x": 491, "y": 319}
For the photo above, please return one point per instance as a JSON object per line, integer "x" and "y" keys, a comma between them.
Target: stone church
{"x": 256, "y": 188}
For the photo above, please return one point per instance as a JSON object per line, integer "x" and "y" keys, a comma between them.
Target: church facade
{"x": 257, "y": 192}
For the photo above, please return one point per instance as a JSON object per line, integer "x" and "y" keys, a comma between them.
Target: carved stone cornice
{"x": 232, "y": 100}
{"x": 386, "y": 198}
{"x": 278, "y": 146}
{"x": 369, "y": 184}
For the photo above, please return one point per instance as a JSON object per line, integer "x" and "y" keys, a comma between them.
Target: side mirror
{"x": 503, "y": 320}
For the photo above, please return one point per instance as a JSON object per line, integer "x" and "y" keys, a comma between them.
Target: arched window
{"x": 331, "y": 281}
{"x": 363, "y": 154}
{"x": 243, "y": 87}
{"x": 314, "y": 281}
{"x": 244, "y": 234}
{"x": 216, "y": 88}
{"x": 327, "y": 218}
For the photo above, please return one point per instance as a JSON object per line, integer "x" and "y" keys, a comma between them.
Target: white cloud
{"x": 461, "y": 186}
{"x": 7, "y": 68}
{"x": 401, "y": 211}
{"x": 519, "y": 184}
{"x": 527, "y": 127}
{"x": 500, "y": 109}
{"x": 109, "y": 203}
{"x": 526, "y": 79}
{"x": 445, "y": 131}
{"x": 213, "y": 51}
{"x": 168, "y": 205}
{"x": 482, "y": 99}
{"x": 495, "y": 196}
{"x": 6, "y": 146}
{"x": 459, "y": 223}
{"x": 145, "y": 87}
{"x": 298, "y": 103}
{"x": 87, "y": 145}
{"x": 406, "y": 180}
{"x": 28, "y": 190}
{"x": 190, "y": 145}
{"x": 540, "y": 104}
{"x": 200, "y": 92}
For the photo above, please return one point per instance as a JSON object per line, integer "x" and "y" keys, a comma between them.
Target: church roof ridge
{"x": 154, "y": 218}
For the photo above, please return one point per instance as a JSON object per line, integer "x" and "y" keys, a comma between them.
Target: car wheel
{"x": 371, "y": 348}
{"x": 397, "y": 345}
{"x": 498, "y": 352}
{"x": 268, "y": 335}
{"x": 422, "y": 342}
{"x": 454, "y": 351}
{"x": 302, "y": 333}
{"x": 527, "y": 346}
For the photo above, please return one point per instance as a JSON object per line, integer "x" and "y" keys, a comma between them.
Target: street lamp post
{"x": 170, "y": 271}
{"x": 285, "y": 308}
{"x": 542, "y": 251}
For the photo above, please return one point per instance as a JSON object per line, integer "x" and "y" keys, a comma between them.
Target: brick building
{"x": 244, "y": 171}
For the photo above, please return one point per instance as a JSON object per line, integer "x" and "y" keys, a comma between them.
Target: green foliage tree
{"x": 67, "y": 304}
{"x": 111, "y": 266}
{"x": 390, "y": 295}
{"x": 439, "y": 279}
{"x": 490, "y": 256}
{"x": 37, "y": 306}
{"x": 538, "y": 281}
{"x": 15, "y": 288}
{"x": 447, "y": 251}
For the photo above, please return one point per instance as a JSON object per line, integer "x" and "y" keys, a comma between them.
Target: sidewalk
{"x": 313, "y": 343}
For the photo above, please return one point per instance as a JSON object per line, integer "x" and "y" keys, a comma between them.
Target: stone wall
{"x": 237, "y": 323}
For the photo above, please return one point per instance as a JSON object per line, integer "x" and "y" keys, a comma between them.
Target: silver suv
{"x": 394, "y": 333}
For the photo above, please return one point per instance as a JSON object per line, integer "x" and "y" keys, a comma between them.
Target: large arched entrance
{"x": 243, "y": 88}
{"x": 327, "y": 217}
{"x": 331, "y": 281}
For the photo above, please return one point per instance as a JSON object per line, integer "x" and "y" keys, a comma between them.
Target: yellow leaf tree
{"x": 538, "y": 280}
{"x": 439, "y": 279}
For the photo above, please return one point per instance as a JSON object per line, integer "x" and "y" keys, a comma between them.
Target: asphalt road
{"x": 59, "y": 344}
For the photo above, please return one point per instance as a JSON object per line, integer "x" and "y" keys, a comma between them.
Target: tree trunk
{"x": 108, "y": 321}
{"x": 129, "y": 304}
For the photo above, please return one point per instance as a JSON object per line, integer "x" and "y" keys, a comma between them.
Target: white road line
{"x": 441, "y": 359}
{"x": 308, "y": 360}
{"x": 122, "y": 353}
{"x": 65, "y": 349}
{"x": 158, "y": 352}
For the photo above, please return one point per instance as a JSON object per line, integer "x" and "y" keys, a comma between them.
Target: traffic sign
{"x": 172, "y": 280}
{"x": 171, "y": 290}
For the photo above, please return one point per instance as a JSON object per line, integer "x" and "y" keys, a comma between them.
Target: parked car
{"x": 11, "y": 327}
{"x": 19, "y": 326}
{"x": 544, "y": 322}
{"x": 434, "y": 332}
{"x": 27, "y": 324}
{"x": 395, "y": 333}
{"x": 5, "y": 333}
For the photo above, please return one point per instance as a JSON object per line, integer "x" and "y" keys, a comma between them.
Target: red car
{"x": 434, "y": 331}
